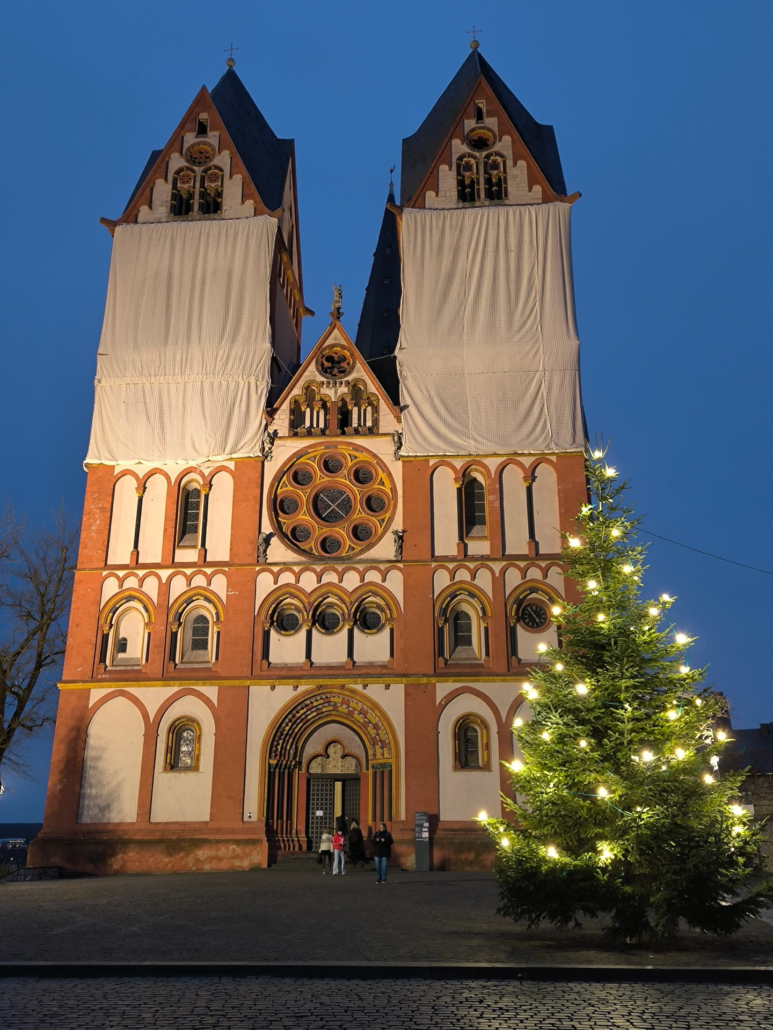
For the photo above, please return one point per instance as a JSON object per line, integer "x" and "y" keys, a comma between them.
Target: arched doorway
{"x": 331, "y": 752}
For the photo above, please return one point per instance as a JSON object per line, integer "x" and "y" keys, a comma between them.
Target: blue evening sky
{"x": 662, "y": 112}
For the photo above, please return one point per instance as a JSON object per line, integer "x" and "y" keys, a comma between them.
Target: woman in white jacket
{"x": 325, "y": 849}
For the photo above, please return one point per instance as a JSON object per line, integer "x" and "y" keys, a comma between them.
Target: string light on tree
{"x": 623, "y": 802}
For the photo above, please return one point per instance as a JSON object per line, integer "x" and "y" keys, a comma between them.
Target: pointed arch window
{"x": 183, "y": 746}
{"x": 462, "y": 628}
{"x": 472, "y": 743}
{"x": 190, "y": 516}
{"x": 474, "y": 501}
{"x": 183, "y": 186}
{"x": 467, "y": 179}
{"x": 495, "y": 176}
{"x": 197, "y": 637}
{"x": 210, "y": 191}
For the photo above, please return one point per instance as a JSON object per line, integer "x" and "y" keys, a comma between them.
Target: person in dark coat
{"x": 382, "y": 850}
{"x": 356, "y": 844}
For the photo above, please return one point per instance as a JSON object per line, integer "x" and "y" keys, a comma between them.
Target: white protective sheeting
{"x": 184, "y": 359}
{"x": 488, "y": 355}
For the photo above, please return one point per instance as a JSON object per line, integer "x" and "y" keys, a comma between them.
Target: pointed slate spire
{"x": 420, "y": 149}
{"x": 379, "y": 325}
{"x": 265, "y": 156}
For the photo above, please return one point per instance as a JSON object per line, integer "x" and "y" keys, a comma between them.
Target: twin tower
{"x": 313, "y": 590}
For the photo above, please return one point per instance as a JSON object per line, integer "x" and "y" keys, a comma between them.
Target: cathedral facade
{"x": 310, "y": 589}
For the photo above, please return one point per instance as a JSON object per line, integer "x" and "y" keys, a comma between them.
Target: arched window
{"x": 495, "y": 176}
{"x": 462, "y": 629}
{"x": 190, "y": 512}
{"x": 210, "y": 191}
{"x": 183, "y": 184}
{"x": 474, "y": 499}
{"x": 463, "y": 633}
{"x": 128, "y": 638}
{"x": 183, "y": 746}
{"x": 467, "y": 175}
{"x": 197, "y": 637}
{"x": 471, "y": 743}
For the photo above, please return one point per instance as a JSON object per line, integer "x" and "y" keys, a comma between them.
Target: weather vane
{"x": 230, "y": 59}
{"x": 474, "y": 44}
{"x": 391, "y": 184}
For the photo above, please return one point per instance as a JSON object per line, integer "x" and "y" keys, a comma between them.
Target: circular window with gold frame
{"x": 199, "y": 153}
{"x": 332, "y": 501}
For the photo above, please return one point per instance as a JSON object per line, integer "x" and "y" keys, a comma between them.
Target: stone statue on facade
{"x": 267, "y": 444}
{"x": 397, "y": 536}
{"x": 338, "y": 299}
{"x": 397, "y": 442}
{"x": 264, "y": 539}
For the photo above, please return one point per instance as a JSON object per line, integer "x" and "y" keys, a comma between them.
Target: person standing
{"x": 325, "y": 849}
{"x": 339, "y": 853}
{"x": 382, "y": 851}
{"x": 356, "y": 844}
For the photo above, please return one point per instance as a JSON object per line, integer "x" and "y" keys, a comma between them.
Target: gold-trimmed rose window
{"x": 333, "y": 502}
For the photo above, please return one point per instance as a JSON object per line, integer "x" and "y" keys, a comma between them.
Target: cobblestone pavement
{"x": 278, "y": 915}
{"x": 258, "y": 1002}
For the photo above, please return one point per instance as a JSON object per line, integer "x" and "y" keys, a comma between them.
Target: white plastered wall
{"x": 123, "y": 519}
{"x": 445, "y": 523}
{"x": 219, "y": 517}
{"x": 111, "y": 765}
{"x": 371, "y": 648}
{"x": 153, "y": 517}
{"x": 514, "y": 518}
{"x": 151, "y": 697}
{"x": 546, "y": 516}
{"x": 184, "y": 796}
{"x": 464, "y": 792}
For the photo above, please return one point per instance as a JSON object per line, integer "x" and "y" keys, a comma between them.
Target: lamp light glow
{"x": 545, "y": 735}
{"x": 551, "y": 851}
{"x": 483, "y": 815}
{"x": 679, "y": 753}
{"x": 516, "y": 765}
{"x": 592, "y": 584}
{"x": 583, "y": 742}
{"x": 684, "y": 669}
{"x": 672, "y": 714}
{"x": 504, "y": 842}
{"x": 628, "y": 569}
{"x": 556, "y": 609}
{"x": 737, "y": 809}
{"x": 721, "y": 735}
{"x": 542, "y": 648}
{"x": 601, "y": 617}
{"x": 665, "y": 597}
{"x": 581, "y": 688}
{"x": 681, "y": 638}
{"x": 602, "y": 792}
{"x": 559, "y": 667}
{"x": 653, "y": 612}
{"x": 647, "y": 756}
{"x": 708, "y": 778}
{"x": 574, "y": 541}
{"x": 615, "y": 532}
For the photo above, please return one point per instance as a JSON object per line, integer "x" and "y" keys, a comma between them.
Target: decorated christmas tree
{"x": 621, "y": 810}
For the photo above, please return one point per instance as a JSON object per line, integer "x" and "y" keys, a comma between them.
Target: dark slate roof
{"x": 265, "y": 156}
{"x": 751, "y": 749}
{"x": 154, "y": 156}
{"x": 421, "y": 149}
{"x": 379, "y": 324}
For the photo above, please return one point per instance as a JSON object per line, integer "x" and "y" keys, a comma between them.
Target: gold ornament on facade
{"x": 199, "y": 153}
{"x": 333, "y": 502}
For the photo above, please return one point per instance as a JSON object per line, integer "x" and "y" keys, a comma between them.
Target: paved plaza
{"x": 255, "y": 1003}
{"x": 296, "y": 914}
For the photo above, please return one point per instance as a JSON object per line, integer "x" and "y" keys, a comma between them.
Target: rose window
{"x": 332, "y": 501}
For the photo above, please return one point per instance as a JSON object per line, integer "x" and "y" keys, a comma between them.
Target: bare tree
{"x": 36, "y": 573}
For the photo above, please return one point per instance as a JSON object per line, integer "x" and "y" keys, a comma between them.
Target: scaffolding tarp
{"x": 184, "y": 359}
{"x": 488, "y": 354}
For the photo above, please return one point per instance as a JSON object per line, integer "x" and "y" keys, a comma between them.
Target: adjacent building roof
{"x": 752, "y": 749}
{"x": 420, "y": 149}
{"x": 154, "y": 156}
{"x": 265, "y": 156}
{"x": 379, "y": 325}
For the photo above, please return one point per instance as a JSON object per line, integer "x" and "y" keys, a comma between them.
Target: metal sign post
{"x": 421, "y": 840}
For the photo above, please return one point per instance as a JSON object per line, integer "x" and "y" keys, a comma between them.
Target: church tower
{"x": 311, "y": 592}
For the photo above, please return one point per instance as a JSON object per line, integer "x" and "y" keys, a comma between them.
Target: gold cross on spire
{"x": 474, "y": 44}
{"x": 230, "y": 59}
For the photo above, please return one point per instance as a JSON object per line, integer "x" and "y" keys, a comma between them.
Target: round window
{"x": 362, "y": 532}
{"x": 288, "y": 505}
{"x": 332, "y": 465}
{"x": 332, "y": 505}
{"x": 288, "y": 620}
{"x": 533, "y": 615}
{"x": 300, "y": 534}
{"x": 330, "y": 545}
{"x": 363, "y": 475}
{"x": 375, "y": 503}
{"x": 370, "y": 620}
{"x": 328, "y": 620}
{"x": 302, "y": 477}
